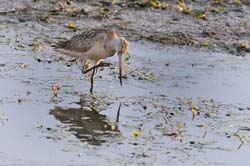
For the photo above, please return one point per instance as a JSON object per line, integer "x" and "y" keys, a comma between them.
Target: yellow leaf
{"x": 136, "y": 133}
{"x": 72, "y": 25}
{"x": 193, "y": 110}
{"x": 155, "y": 3}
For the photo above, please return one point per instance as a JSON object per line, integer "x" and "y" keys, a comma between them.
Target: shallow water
{"x": 155, "y": 98}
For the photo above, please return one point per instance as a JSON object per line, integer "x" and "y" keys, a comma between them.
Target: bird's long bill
{"x": 120, "y": 68}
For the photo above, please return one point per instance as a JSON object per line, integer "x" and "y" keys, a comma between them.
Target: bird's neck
{"x": 111, "y": 47}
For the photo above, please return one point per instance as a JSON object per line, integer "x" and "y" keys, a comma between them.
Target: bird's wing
{"x": 86, "y": 40}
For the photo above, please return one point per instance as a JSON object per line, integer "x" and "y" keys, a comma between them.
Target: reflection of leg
{"x": 92, "y": 81}
{"x": 101, "y": 64}
{"x": 118, "y": 113}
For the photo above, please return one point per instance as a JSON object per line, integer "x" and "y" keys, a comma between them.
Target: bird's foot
{"x": 101, "y": 64}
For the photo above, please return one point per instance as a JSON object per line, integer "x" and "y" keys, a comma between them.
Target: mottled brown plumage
{"x": 96, "y": 44}
{"x": 84, "y": 41}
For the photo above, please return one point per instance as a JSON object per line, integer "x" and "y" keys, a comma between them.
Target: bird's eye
{"x": 123, "y": 46}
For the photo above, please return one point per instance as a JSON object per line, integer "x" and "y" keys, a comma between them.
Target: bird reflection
{"x": 86, "y": 123}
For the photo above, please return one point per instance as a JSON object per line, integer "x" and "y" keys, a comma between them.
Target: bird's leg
{"x": 83, "y": 62}
{"x": 101, "y": 64}
{"x": 92, "y": 81}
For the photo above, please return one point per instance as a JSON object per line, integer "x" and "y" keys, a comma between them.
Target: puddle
{"x": 161, "y": 88}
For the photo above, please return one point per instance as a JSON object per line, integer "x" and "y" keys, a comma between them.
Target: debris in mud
{"x": 23, "y": 65}
{"x": 127, "y": 57}
{"x": 144, "y": 76}
{"x": 155, "y": 4}
{"x": 56, "y": 88}
{"x": 3, "y": 118}
{"x": 40, "y": 126}
{"x": 245, "y": 128}
{"x": 27, "y": 82}
{"x": 22, "y": 100}
{"x": 241, "y": 49}
{"x": 37, "y": 46}
{"x": 192, "y": 142}
{"x": 39, "y": 60}
{"x": 200, "y": 14}
{"x": 113, "y": 127}
{"x": 175, "y": 135}
{"x": 19, "y": 101}
{"x": 68, "y": 7}
{"x": 54, "y": 134}
{"x": 46, "y": 19}
{"x": 48, "y": 128}
{"x": 183, "y": 8}
{"x": 180, "y": 126}
{"x": 242, "y": 139}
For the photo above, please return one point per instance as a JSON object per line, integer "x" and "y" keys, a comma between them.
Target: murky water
{"x": 162, "y": 86}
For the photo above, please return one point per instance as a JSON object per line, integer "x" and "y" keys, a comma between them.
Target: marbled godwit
{"x": 96, "y": 44}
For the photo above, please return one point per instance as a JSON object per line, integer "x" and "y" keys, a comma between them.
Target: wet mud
{"x": 179, "y": 105}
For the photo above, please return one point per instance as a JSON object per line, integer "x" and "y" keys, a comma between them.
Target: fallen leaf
{"x": 72, "y": 25}
{"x": 136, "y": 133}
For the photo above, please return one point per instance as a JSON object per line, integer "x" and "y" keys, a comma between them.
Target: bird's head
{"x": 122, "y": 48}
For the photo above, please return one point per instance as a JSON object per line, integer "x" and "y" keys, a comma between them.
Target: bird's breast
{"x": 98, "y": 52}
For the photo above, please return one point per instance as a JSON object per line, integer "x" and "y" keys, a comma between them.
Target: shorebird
{"x": 96, "y": 45}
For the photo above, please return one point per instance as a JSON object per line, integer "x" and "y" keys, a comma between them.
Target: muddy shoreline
{"x": 208, "y": 25}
